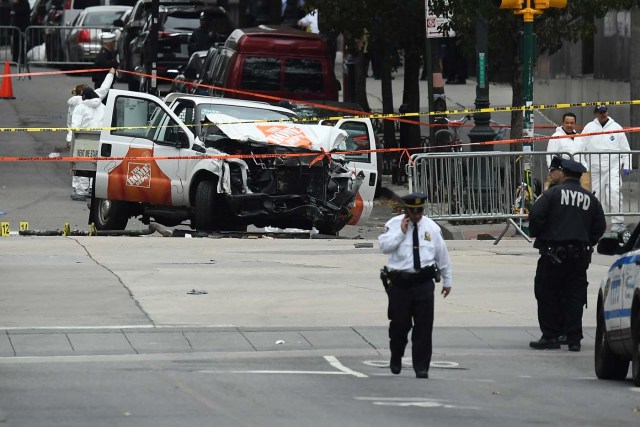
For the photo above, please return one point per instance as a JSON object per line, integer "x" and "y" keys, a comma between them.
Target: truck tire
{"x": 109, "y": 214}
{"x": 205, "y": 206}
{"x": 635, "y": 341}
{"x": 608, "y": 365}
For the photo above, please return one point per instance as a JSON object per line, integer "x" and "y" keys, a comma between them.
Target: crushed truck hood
{"x": 310, "y": 137}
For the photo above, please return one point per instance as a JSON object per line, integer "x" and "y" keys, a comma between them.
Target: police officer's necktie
{"x": 416, "y": 248}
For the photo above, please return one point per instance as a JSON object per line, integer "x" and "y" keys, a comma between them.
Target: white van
{"x": 72, "y": 8}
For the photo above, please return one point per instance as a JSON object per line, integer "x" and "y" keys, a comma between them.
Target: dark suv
{"x": 177, "y": 20}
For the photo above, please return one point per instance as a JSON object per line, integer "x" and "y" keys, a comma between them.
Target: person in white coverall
{"x": 81, "y": 184}
{"x": 605, "y": 168}
{"x": 564, "y": 145}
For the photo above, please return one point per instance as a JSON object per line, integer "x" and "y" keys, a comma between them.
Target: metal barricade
{"x": 11, "y": 45}
{"x": 618, "y": 193}
{"x": 58, "y": 45}
{"x": 503, "y": 185}
{"x": 499, "y": 186}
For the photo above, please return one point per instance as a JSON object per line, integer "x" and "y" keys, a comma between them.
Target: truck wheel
{"x": 205, "y": 205}
{"x": 635, "y": 355}
{"x": 109, "y": 214}
{"x": 609, "y": 366}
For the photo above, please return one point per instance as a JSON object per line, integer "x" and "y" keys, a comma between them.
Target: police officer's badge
{"x": 427, "y": 236}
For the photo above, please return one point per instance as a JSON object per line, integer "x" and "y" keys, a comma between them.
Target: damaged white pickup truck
{"x": 215, "y": 163}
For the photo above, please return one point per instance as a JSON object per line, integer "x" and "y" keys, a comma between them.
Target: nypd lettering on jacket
{"x": 575, "y": 198}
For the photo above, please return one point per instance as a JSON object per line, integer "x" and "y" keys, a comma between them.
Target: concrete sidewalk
{"x": 129, "y": 341}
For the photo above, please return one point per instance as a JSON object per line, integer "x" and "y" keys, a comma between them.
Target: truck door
{"x": 142, "y": 126}
{"x": 361, "y": 138}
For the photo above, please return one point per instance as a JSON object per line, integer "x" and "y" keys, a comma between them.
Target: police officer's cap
{"x": 415, "y": 200}
{"x": 572, "y": 167}
{"x": 107, "y": 37}
{"x": 556, "y": 163}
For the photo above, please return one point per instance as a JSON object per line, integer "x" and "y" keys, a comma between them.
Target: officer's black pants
{"x": 561, "y": 291}
{"x": 411, "y": 304}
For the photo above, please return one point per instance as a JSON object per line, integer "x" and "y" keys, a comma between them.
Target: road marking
{"x": 333, "y": 361}
{"x": 267, "y": 371}
{"x": 407, "y": 363}
{"x": 420, "y": 402}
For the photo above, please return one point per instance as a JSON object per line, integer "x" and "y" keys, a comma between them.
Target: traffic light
{"x": 546, "y": 4}
{"x": 511, "y": 4}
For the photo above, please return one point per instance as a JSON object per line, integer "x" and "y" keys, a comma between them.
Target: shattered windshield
{"x": 238, "y": 112}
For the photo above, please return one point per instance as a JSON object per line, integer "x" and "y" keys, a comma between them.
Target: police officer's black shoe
{"x": 562, "y": 340}
{"x": 422, "y": 373}
{"x": 395, "y": 364}
{"x": 545, "y": 344}
{"x": 574, "y": 347}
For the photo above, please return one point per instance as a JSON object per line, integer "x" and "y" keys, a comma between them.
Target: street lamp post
{"x": 481, "y": 131}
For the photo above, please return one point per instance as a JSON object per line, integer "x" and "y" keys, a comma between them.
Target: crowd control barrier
{"x": 11, "y": 38}
{"x": 502, "y": 186}
{"x": 58, "y": 45}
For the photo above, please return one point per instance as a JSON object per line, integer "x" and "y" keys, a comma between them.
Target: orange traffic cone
{"x": 6, "y": 90}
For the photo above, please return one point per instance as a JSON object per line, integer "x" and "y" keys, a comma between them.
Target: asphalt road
{"x": 106, "y": 331}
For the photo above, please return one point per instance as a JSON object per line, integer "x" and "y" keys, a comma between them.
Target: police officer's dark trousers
{"x": 411, "y": 304}
{"x": 561, "y": 292}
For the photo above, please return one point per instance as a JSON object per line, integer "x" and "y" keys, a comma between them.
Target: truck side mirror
{"x": 183, "y": 139}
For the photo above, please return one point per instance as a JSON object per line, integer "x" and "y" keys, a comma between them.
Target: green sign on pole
{"x": 482, "y": 70}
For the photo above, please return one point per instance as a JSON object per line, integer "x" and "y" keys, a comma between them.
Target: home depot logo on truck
{"x": 275, "y": 61}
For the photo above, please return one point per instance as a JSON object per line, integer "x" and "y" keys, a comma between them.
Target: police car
{"x": 618, "y": 314}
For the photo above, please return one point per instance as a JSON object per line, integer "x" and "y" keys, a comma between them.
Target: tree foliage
{"x": 553, "y": 28}
{"x": 386, "y": 27}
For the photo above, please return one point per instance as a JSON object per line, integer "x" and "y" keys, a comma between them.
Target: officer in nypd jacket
{"x": 415, "y": 245}
{"x": 567, "y": 222}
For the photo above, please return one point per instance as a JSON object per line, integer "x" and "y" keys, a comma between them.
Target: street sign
{"x": 434, "y": 24}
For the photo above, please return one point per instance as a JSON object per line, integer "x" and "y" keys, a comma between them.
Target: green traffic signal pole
{"x": 528, "y": 56}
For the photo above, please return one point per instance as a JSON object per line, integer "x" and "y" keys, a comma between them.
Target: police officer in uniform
{"x": 567, "y": 222}
{"x": 106, "y": 58}
{"x": 417, "y": 256}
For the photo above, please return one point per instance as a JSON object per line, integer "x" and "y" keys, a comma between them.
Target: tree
{"x": 552, "y": 29}
{"x": 386, "y": 26}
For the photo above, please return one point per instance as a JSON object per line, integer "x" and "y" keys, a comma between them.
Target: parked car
{"x": 183, "y": 82}
{"x": 72, "y": 8}
{"x": 139, "y": 16}
{"x": 617, "y": 340}
{"x": 275, "y": 61}
{"x": 83, "y": 42}
{"x": 176, "y": 23}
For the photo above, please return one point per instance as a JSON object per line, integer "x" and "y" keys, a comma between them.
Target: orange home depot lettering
{"x": 285, "y": 135}
{"x": 139, "y": 180}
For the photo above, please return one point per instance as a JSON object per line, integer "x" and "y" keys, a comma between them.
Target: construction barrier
{"x": 502, "y": 186}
